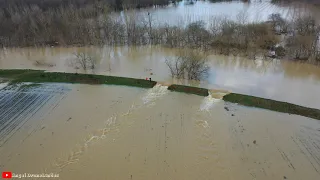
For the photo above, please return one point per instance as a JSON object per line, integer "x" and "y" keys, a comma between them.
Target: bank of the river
{"x": 38, "y": 76}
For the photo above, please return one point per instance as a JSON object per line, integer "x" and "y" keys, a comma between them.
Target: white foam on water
{"x": 111, "y": 121}
{"x": 110, "y": 124}
{"x": 131, "y": 109}
{"x": 155, "y": 93}
{"x": 149, "y": 98}
{"x": 208, "y": 102}
{"x": 203, "y": 123}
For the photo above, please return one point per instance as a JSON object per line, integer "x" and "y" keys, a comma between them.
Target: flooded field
{"x": 282, "y": 80}
{"x": 117, "y": 132}
{"x": 253, "y": 11}
{"x": 114, "y": 132}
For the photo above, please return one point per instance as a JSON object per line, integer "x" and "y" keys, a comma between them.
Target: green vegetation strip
{"x": 36, "y": 76}
{"x": 57, "y": 77}
{"x": 189, "y": 90}
{"x": 272, "y": 105}
{"x": 15, "y": 73}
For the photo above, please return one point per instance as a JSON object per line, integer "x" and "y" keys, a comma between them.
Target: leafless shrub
{"x": 197, "y": 35}
{"x": 176, "y": 67}
{"x": 242, "y": 17}
{"x": 305, "y": 25}
{"x": 275, "y": 18}
{"x": 302, "y": 44}
{"x": 190, "y": 65}
{"x": 174, "y": 36}
{"x": 215, "y": 24}
{"x": 85, "y": 60}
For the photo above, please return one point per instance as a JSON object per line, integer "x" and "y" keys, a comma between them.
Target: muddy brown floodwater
{"x": 115, "y": 132}
{"x": 297, "y": 83}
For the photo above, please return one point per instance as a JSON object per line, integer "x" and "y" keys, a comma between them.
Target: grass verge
{"x": 14, "y": 73}
{"x": 57, "y": 77}
{"x": 38, "y": 76}
{"x": 189, "y": 90}
{"x": 272, "y": 105}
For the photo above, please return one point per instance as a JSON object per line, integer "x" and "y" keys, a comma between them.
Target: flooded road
{"x": 297, "y": 83}
{"x": 114, "y": 132}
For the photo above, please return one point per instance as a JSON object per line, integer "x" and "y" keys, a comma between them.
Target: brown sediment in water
{"x": 40, "y": 77}
{"x": 272, "y": 79}
{"x": 218, "y": 93}
{"x": 90, "y": 134}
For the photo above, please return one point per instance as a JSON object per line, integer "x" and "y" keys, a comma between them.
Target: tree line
{"x": 114, "y": 4}
{"x": 92, "y": 24}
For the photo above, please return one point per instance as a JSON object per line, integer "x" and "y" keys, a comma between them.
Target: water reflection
{"x": 255, "y": 11}
{"x": 278, "y": 79}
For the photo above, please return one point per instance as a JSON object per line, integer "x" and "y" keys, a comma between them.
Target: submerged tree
{"x": 190, "y": 65}
{"x": 85, "y": 60}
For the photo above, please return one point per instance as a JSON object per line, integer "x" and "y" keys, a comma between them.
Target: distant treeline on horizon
{"x": 114, "y": 4}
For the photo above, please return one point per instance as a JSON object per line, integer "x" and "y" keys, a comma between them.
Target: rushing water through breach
{"x": 109, "y": 132}
{"x": 116, "y": 132}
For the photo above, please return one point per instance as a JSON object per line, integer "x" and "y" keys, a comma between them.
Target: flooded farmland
{"x": 276, "y": 79}
{"x": 115, "y": 132}
{"x": 253, "y": 11}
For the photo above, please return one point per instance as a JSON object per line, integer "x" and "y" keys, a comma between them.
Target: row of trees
{"x": 55, "y": 4}
{"x": 93, "y": 25}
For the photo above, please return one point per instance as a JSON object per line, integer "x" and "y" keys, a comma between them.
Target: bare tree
{"x": 215, "y": 25}
{"x": 85, "y": 60}
{"x": 149, "y": 25}
{"x": 191, "y": 65}
{"x": 197, "y": 35}
{"x": 300, "y": 46}
{"x": 278, "y": 23}
{"x": 305, "y": 25}
{"x": 176, "y": 67}
{"x": 242, "y": 17}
